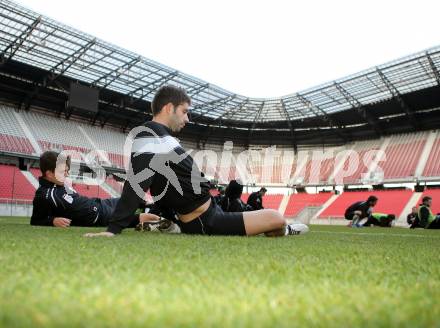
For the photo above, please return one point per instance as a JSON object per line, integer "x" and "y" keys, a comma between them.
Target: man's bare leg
{"x": 269, "y": 222}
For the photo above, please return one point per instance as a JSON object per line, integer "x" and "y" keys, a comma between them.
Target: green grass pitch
{"x": 333, "y": 276}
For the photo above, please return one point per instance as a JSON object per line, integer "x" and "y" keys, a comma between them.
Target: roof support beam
{"x": 359, "y": 108}
{"x": 396, "y": 94}
{"x": 156, "y": 84}
{"x": 117, "y": 72}
{"x": 71, "y": 59}
{"x": 254, "y": 122}
{"x": 197, "y": 89}
{"x": 289, "y": 124}
{"x": 433, "y": 68}
{"x": 319, "y": 112}
{"x": 232, "y": 111}
{"x": 207, "y": 107}
{"x": 16, "y": 44}
{"x": 215, "y": 102}
{"x": 257, "y": 117}
{"x": 51, "y": 77}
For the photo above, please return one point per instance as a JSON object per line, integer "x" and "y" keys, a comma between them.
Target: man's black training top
{"x": 364, "y": 207}
{"x": 161, "y": 165}
{"x": 52, "y": 201}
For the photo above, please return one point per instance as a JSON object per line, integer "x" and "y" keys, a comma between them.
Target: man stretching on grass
{"x": 380, "y": 220}
{"x": 161, "y": 165}
{"x": 360, "y": 211}
{"x": 56, "y": 204}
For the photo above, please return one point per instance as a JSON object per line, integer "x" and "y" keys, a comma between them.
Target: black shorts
{"x": 215, "y": 222}
{"x": 349, "y": 216}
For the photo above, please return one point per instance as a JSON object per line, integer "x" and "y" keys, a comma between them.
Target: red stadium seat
{"x": 432, "y": 168}
{"x": 298, "y": 202}
{"x": 14, "y": 185}
{"x": 15, "y": 144}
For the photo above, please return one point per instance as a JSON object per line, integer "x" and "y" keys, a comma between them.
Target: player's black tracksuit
{"x": 363, "y": 207}
{"x": 53, "y": 200}
{"x": 255, "y": 200}
{"x": 160, "y": 164}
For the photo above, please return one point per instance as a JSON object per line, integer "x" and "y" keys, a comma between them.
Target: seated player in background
{"x": 232, "y": 201}
{"x": 413, "y": 218}
{"x": 380, "y": 220}
{"x": 360, "y": 211}
{"x": 427, "y": 219}
{"x": 255, "y": 199}
{"x": 56, "y": 204}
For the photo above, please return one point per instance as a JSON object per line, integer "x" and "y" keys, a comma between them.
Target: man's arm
{"x": 141, "y": 177}
{"x": 42, "y": 212}
{"x": 127, "y": 205}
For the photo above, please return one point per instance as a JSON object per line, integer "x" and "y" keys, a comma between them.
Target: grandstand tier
{"x": 403, "y": 153}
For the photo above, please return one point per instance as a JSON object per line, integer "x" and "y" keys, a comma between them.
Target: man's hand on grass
{"x": 99, "y": 234}
{"x": 61, "y": 222}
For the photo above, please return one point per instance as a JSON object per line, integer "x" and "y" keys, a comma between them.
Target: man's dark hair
{"x": 372, "y": 199}
{"x": 263, "y": 189}
{"x": 169, "y": 94}
{"x": 391, "y": 217}
{"x": 48, "y": 161}
{"x": 426, "y": 198}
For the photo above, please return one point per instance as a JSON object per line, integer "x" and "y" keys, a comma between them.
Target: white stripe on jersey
{"x": 154, "y": 145}
{"x": 53, "y": 198}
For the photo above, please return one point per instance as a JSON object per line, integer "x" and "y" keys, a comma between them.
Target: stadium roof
{"x": 33, "y": 39}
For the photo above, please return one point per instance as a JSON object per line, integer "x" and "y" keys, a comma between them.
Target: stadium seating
{"x": 318, "y": 173}
{"x": 57, "y": 134}
{"x": 364, "y": 150}
{"x": 390, "y": 202}
{"x": 15, "y": 144}
{"x": 297, "y": 202}
{"x": 432, "y": 168}
{"x": 115, "y": 185}
{"x": 402, "y": 155}
{"x": 402, "y": 151}
{"x": 272, "y": 201}
{"x": 14, "y": 185}
{"x": 90, "y": 190}
{"x": 11, "y": 135}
